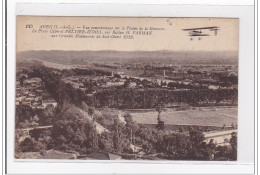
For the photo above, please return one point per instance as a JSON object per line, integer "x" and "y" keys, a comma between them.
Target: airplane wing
{"x": 202, "y": 28}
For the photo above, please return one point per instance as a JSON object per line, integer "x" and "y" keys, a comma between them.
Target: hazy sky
{"x": 171, "y": 38}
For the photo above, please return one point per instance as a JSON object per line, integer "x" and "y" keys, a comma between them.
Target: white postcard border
{"x": 246, "y": 88}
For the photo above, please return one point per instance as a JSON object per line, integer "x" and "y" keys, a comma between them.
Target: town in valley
{"x": 126, "y": 105}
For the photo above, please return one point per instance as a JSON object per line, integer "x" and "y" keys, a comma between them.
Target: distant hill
{"x": 108, "y": 56}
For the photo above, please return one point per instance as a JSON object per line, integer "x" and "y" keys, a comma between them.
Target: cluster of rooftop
{"x": 32, "y": 92}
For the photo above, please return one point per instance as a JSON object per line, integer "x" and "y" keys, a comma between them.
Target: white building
{"x": 45, "y": 103}
{"x": 33, "y": 81}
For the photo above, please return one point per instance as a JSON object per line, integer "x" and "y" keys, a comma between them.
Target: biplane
{"x": 197, "y": 32}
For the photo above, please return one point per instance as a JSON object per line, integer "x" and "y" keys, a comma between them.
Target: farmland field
{"x": 213, "y": 116}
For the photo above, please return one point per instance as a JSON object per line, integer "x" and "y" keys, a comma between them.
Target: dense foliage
{"x": 76, "y": 131}
{"x": 130, "y": 98}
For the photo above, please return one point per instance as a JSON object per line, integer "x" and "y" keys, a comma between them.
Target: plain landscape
{"x": 111, "y": 105}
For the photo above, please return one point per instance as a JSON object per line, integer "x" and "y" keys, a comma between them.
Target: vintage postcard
{"x": 126, "y": 88}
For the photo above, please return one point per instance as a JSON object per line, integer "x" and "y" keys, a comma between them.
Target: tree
{"x": 196, "y": 138}
{"x": 105, "y": 142}
{"x": 233, "y": 143}
{"x": 131, "y": 126}
{"x": 23, "y": 113}
{"x": 211, "y": 148}
{"x": 47, "y": 115}
{"x": 160, "y": 125}
{"x": 116, "y": 137}
{"x": 223, "y": 153}
{"x": 168, "y": 144}
{"x": 73, "y": 129}
{"x": 91, "y": 112}
{"x": 181, "y": 129}
{"x": 27, "y": 145}
{"x": 22, "y": 78}
{"x": 147, "y": 147}
{"x": 196, "y": 150}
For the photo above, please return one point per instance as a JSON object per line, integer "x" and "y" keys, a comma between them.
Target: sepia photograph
{"x": 126, "y": 88}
